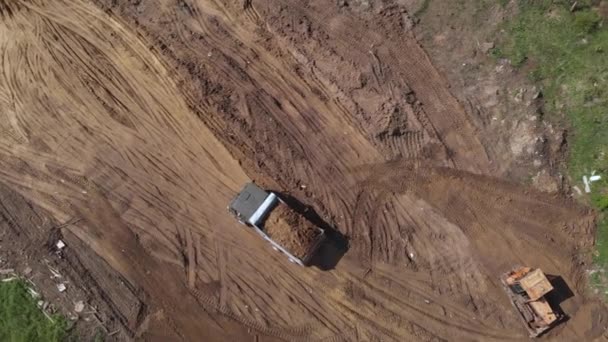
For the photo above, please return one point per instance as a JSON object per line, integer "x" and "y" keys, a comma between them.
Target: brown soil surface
{"x": 291, "y": 230}
{"x": 525, "y": 142}
{"x": 127, "y": 127}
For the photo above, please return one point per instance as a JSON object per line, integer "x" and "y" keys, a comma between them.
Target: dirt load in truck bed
{"x": 291, "y": 230}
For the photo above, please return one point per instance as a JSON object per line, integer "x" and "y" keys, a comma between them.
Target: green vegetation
{"x": 567, "y": 53}
{"x": 22, "y": 321}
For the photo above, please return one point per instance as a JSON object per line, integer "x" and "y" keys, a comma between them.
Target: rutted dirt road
{"x": 142, "y": 119}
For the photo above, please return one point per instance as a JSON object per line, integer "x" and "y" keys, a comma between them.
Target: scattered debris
{"x": 61, "y": 287}
{"x": 55, "y": 273}
{"x": 60, "y": 245}
{"x": 79, "y": 306}
{"x": 7, "y": 271}
{"x": 47, "y": 316}
{"x": 6, "y": 280}
{"x": 588, "y": 180}
{"x": 486, "y": 47}
{"x": 519, "y": 95}
{"x": 27, "y": 271}
{"x": 578, "y": 190}
{"x": 43, "y": 305}
{"x": 33, "y": 293}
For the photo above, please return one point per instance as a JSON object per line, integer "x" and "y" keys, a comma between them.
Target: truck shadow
{"x": 335, "y": 244}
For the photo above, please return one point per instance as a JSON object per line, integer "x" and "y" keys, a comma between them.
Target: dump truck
{"x": 526, "y": 288}
{"x": 287, "y": 231}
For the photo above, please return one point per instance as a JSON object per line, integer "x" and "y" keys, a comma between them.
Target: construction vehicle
{"x": 526, "y": 288}
{"x": 287, "y": 231}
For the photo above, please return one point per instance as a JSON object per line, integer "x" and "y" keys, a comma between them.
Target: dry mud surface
{"x": 127, "y": 126}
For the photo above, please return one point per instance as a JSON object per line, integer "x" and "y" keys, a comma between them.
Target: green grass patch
{"x": 22, "y": 321}
{"x": 599, "y": 279}
{"x": 567, "y": 53}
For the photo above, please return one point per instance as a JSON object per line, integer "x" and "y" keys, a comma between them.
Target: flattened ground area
{"x": 137, "y": 122}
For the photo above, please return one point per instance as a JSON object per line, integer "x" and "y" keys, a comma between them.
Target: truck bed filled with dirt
{"x": 291, "y": 230}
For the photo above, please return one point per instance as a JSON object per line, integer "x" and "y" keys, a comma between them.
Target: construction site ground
{"x": 128, "y": 126}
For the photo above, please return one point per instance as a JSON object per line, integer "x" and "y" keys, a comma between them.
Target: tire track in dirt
{"x": 446, "y": 116}
{"x": 291, "y": 126}
{"x": 138, "y": 158}
{"x": 113, "y": 135}
{"x": 466, "y": 329}
{"x": 282, "y": 112}
{"x": 133, "y": 138}
{"x": 483, "y": 204}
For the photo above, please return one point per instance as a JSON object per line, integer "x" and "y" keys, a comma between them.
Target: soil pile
{"x": 290, "y": 230}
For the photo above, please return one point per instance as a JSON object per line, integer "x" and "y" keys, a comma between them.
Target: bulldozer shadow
{"x": 335, "y": 245}
{"x": 561, "y": 292}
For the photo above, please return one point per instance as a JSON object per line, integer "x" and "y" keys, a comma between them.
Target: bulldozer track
{"x": 9, "y": 7}
{"x": 406, "y": 145}
{"x": 291, "y": 334}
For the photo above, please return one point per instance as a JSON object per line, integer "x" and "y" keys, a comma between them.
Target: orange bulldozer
{"x": 526, "y": 288}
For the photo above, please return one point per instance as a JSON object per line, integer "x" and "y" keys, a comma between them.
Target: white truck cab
{"x": 251, "y": 207}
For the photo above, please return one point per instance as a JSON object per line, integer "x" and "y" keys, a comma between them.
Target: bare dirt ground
{"x": 503, "y": 103}
{"x": 129, "y": 126}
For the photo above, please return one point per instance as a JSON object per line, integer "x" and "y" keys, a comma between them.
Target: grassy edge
{"x": 599, "y": 278}
{"x": 22, "y": 320}
{"x": 565, "y": 53}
